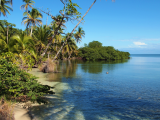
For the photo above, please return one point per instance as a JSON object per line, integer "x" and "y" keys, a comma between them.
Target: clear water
{"x": 130, "y": 90}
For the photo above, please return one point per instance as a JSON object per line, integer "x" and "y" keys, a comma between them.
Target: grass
{"x": 6, "y": 110}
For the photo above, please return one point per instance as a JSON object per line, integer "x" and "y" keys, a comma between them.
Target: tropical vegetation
{"x": 18, "y": 85}
{"x": 95, "y": 51}
{"x": 4, "y": 8}
{"x": 20, "y": 50}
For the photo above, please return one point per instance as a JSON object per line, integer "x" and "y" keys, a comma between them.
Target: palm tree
{"x": 32, "y": 19}
{"x": 58, "y": 22}
{"x": 23, "y": 46}
{"x": 3, "y": 44}
{"x": 29, "y": 3}
{"x": 2, "y": 29}
{"x": 57, "y": 29}
{"x": 5, "y": 35}
{"x": 41, "y": 35}
{"x": 4, "y": 9}
{"x": 58, "y": 37}
{"x": 21, "y": 43}
{"x": 70, "y": 46}
{"x": 3, "y": 40}
{"x": 71, "y": 32}
{"x": 79, "y": 34}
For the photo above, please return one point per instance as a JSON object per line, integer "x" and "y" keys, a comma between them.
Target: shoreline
{"x": 22, "y": 111}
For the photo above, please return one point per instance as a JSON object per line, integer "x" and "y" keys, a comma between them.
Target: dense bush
{"x": 95, "y": 44}
{"x": 95, "y": 51}
{"x": 89, "y": 53}
{"x": 19, "y": 85}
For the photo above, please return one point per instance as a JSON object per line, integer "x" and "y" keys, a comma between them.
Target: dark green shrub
{"x": 95, "y": 51}
{"x": 18, "y": 84}
{"x": 89, "y": 53}
{"x": 95, "y": 44}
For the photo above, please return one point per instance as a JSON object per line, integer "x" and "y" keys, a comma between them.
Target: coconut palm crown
{"x": 33, "y": 19}
{"x": 4, "y": 8}
{"x": 29, "y": 3}
{"x": 79, "y": 34}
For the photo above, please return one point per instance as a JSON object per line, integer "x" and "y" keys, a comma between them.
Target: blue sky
{"x": 127, "y": 25}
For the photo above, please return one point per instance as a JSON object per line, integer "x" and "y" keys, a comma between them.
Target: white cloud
{"x": 139, "y": 43}
{"x": 137, "y": 39}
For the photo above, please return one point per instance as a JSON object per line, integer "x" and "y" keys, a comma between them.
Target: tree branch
{"x": 74, "y": 29}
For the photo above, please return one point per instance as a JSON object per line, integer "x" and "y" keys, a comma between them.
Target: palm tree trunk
{"x": 7, "y": 33}
{"x": 31, "y": 30}
{"x": 69, "y": 56}
{"x": 50, "y": 42}
{"x": 27, "y": 18}
{"x": 74, "y": 29}
{"x": 46, "y": 21}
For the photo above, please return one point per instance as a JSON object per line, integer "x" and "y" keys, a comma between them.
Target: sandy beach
{"x": 21, "y": 113}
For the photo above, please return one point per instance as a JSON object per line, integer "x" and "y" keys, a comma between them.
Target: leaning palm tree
{"x": 58, "y": 37}
{"x": 4, "y": 8}
{"x": 28, "y": 3}
{"x": 79, "y": 34}
{"x": 33, "y": 19}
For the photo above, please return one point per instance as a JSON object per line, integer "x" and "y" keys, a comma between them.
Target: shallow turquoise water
{"x": 131, "y": 90}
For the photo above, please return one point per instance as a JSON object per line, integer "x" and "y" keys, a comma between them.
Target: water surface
{"x": 85, "y": 92}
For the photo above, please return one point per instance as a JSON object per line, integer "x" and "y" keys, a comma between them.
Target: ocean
{"x": 84, "y": 90}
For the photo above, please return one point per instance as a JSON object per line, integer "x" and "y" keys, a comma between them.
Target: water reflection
{"x": 97, "y": 66}
{"x": 65, "y": 68}
{"x": 82, "y": 95}
{"x": 69, "y": 68}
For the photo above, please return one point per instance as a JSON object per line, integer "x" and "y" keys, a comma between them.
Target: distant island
{"x": 95, "y": 51}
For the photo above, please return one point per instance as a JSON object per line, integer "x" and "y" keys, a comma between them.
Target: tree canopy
{"x": 95, "y": 51}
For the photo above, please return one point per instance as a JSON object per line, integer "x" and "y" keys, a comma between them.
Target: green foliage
{"x": 95, "y": 51}
{"x": 18, "y": 84}
{"x": 89, "y": 53}
{"x": 95, "y": 44}
{"x": 71, "y": 10}
{"x": 4, "y": 9}
{"x": 32, "y": 18}
{"x": 28, "y": 3}
{"x": 79, "y": 34}
{"x": 6, "y": 28}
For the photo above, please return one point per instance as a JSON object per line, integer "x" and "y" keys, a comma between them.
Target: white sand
{"x": 21, "y": 113}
